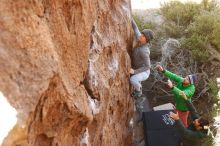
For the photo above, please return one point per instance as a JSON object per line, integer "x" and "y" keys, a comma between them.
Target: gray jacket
{"x": 141, "y": 54}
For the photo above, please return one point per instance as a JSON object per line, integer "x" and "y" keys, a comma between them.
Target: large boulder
{"x": 65, "y": 68}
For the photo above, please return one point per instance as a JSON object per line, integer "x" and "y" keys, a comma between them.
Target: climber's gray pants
{"x": 138, "y": 78}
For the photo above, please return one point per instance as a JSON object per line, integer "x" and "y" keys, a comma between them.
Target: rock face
{"x": 64, "y": 67}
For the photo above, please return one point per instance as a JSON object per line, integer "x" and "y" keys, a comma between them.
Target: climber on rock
{"x": 197, "y": 129}
{"x": 183, "y": 84}
{"x": 141, "y": 65}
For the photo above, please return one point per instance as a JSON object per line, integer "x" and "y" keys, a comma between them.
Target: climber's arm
{"x": 136, "y": 30}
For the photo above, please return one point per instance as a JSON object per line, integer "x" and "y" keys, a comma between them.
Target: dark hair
{"x": 203, "y": 122}
{"x": 149, "y": 34}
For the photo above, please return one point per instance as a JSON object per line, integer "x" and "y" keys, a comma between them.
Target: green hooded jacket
{"x": 188, "y": 90}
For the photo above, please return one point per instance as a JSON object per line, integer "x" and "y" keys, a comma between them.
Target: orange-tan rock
{"x": 64, "y": 67}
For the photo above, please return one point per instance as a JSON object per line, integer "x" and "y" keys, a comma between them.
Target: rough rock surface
{"x": 64, "y": 67}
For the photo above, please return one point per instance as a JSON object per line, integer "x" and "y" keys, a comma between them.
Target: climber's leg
{"x": 136, "y": 82}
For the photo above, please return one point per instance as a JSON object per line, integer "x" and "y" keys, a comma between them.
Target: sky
{"x": 146, "y": 4}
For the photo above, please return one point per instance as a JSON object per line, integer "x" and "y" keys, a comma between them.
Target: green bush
{"x": 216, "y": 34}
{"x": 198, "y": 46}
{"x": 143, "y": 25}
{"x": 181, "y": 14}
{"x": 202, "y": 32}
{"x": 209, "y": 5}
{"x": 149, "y": 25}
{"x": 214, "y": 90}
{"x": 203, "y": 25}
{"x": 173, "y": 30}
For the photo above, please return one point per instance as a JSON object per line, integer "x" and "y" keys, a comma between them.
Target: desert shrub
{"x": 180, "y": 13}
{"x": 172, "y": 30}
{"x": 216, "y": 35}
{"x": 203, "y": 24}
{"x": 198, "y": 46}
{"x": 149, "y": 25}
{"x": 214, "y": 90}
{"x": 202, "y": 32}
{"x": 190, "y": 17}
{"x": 209, "y": 5}
{"x": 142, "y": 24}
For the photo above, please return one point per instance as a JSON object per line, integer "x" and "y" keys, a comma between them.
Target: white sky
{"x": 7, "y": 117}
{"x": 146, "y": 4}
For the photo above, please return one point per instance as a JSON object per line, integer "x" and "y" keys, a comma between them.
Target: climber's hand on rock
{"x": 131, "y": 71}
{"x": 169, "y": 83}
{"x": 174, "y": 116}
{"x": 159, "y": 68}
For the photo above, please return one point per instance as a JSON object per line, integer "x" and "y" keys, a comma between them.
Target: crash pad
{"x": 159, "y": 129}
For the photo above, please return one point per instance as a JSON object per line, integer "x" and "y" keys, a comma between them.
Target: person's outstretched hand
{"x": 169, "y": 83}
{"x": 159, "y": 68}
{"x": 174, "y": 116}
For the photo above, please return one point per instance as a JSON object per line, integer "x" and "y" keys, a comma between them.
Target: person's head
{"x": 201, "y": 123}
{"x": 146, "y": 36}
{"x": 190, "y": 79}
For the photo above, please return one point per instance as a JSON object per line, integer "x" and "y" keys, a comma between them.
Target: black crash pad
{"x": 159, "y": 129}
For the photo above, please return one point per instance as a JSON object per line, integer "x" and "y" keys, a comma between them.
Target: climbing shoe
{"x": 136, "y": 93}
